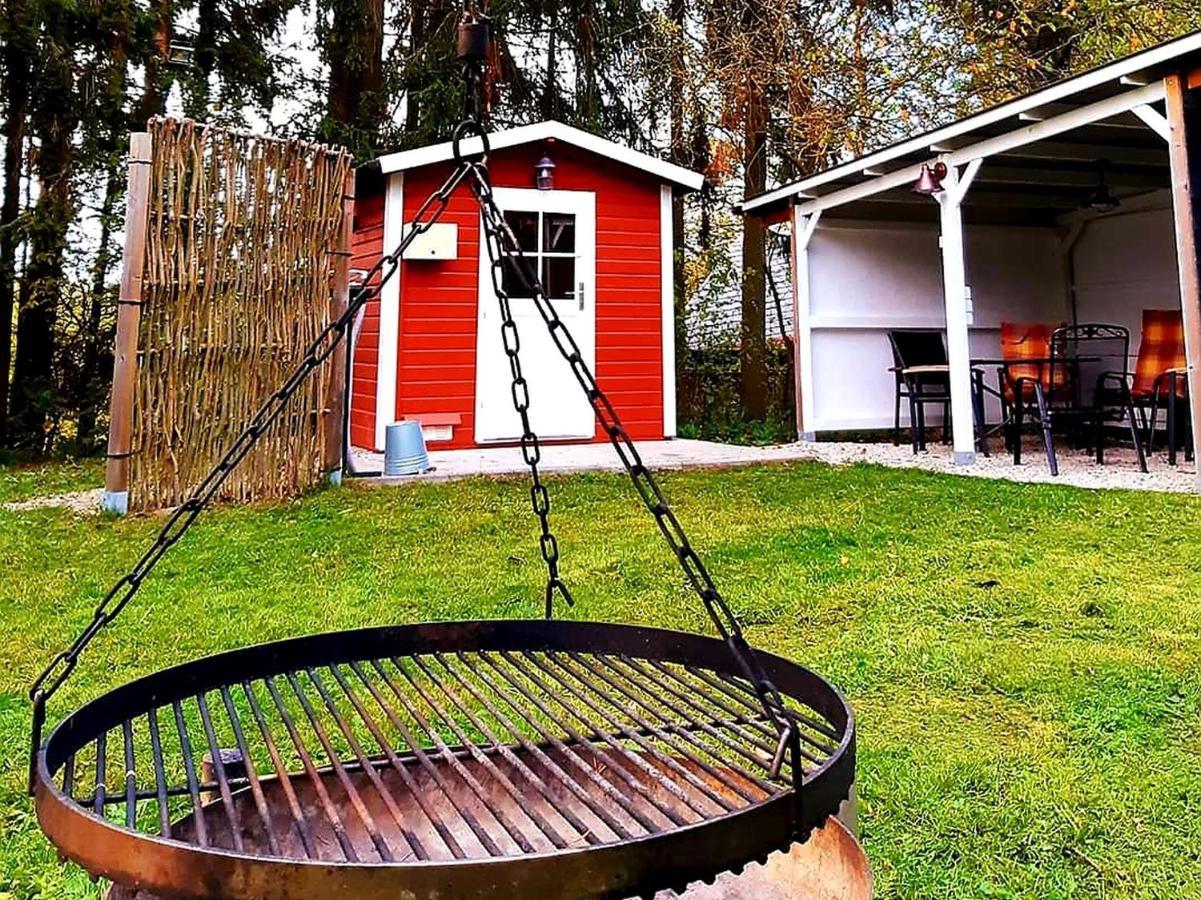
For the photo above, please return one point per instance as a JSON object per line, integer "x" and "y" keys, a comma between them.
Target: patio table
{"x": 980, "y": 387}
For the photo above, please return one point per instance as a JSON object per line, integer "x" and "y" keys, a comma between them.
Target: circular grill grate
{"x": 398, "y": 749}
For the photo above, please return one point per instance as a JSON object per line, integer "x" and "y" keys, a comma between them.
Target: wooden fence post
{"x": 129, "y": 316}
{"x": 1184, "y": 119}
{"x": 341, "y": 297}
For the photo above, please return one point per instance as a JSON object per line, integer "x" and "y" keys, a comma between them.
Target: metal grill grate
{"x": 441, "y": 753}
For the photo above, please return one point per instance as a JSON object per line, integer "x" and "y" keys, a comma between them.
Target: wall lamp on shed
{"x": 544, "y": 173}
{"x": 929, "y": 180}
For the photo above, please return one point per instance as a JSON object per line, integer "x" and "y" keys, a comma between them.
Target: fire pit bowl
{"x": 448, "y": 760}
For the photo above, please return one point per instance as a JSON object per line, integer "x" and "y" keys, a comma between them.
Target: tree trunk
{"x": 753, "y": 356}
{"x": 16, "y": 79}
{"x": 157, "y": 74}
{"x": 680, "y": 155}
{"x": 354, "y": 49}
{"x": 33, "y": 390}
{"x": 550, "y": 91}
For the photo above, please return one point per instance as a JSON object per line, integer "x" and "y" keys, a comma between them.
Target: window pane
{"x": 525, "y": 227}
{"x": 558, "y": 277}
{"x": 558, "y": 233}
{"x": 512, "y": 277}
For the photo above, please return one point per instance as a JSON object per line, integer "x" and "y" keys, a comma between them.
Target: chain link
{"x": 531, "y": 449}
{"x": 502, "y": 243}
{"x": 182, "y": 517}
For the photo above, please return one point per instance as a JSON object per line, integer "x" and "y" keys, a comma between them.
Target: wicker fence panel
{"x": 241, "y": 244}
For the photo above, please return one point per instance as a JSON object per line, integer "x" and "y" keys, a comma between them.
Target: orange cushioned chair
{"x": 1157, "y": 381}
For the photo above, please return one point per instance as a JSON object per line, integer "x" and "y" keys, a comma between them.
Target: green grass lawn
{"x": 1024, "y": 661}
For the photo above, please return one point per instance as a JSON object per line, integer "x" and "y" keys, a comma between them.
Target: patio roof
{"x": 1043, "y": 151}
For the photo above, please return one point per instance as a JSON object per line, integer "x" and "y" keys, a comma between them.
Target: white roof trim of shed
{"x": 547, "y": 131}
{"x": 1123, "y": 72}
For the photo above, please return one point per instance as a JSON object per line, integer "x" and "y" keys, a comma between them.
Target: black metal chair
{"x": 1080, "y": 391}
{"x": 923, "y": 376}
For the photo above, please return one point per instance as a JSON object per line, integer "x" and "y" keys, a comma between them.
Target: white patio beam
{"x": 1186, "y": 129}
{"x": 954, "y": 278}
{"x": 995, "y": 146}
{"x": 1154, "y": 120}
{"x": 802, "y": 325}
{"x": 1042, "y": 113}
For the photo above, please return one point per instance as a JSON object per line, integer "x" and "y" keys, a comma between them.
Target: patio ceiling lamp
{"x": 544, "y": 173}
{"x": 929, "y": 181}
{"x": 1101, "y": 198}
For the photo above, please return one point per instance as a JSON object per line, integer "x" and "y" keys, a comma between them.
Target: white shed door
{"x": 557, "y": 232}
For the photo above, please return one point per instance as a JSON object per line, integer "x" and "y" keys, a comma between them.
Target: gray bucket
{"x": 404, "y": 449}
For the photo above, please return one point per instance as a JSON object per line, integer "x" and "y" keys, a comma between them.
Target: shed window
{"x": 547, "y": 241}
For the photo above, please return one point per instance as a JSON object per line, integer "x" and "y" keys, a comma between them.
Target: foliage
{"x": 1022, "y": 659}
{"x": 750, "y": 91}
{"x": 710, "y": 408}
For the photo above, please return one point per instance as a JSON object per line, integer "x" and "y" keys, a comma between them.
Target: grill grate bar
{"x": 402, "y": 770}
{"x": 101, "y": 790}
{"x": 356, "y": 799}
{"x": 281, "y": 772}
{"x": 764, "y": 788}
{"x": 427, "y": 764}
{"x": 572, "y": 753}
{"x": 763, "y": 734}
{"x": 185, "y": 746}
{"x": 654, "y": 772}
{"x": 514, "y": 831}
{"x": 415, "y": 848}
{"x": 582, "y": 830}
{"x": 160, "y": 779}
{"x": 664, "y": 736}
{"x": 227, "y": 802}
{"x": 598, "y": 809}
{"x": 131, "y": 787}
{"x": 69, "y": 776}
{"x": 734, "y": 725}
{"x": 746, "y": 697}
{"x": 748, "y": 711}
{"x": 306, "y": 760}
{"x": 619, "y": 764}
{"x": 256, "y": 789}
{"x": 752, "y": 717}
{"x": 551, "y": 833}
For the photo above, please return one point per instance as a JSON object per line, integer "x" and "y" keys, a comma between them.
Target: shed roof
{"x": 549, "y": 130}
{"x": 1111, "y": 112}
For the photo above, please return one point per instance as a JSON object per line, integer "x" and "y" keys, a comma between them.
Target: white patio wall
{"x": 1126, "y": 263}
{"x": 869, "y": 277}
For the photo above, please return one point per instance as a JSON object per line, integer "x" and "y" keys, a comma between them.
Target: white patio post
{"x": 954, "y": 277}
{"x": 802, "y": 334}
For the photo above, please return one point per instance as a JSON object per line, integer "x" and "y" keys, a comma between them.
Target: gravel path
{"x": 82, "y": 503}
{"x": 1076, "y": 468}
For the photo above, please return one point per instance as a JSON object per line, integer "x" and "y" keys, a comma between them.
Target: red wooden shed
{"x": 430, "y": 349}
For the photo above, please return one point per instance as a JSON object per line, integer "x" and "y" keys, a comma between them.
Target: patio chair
{"x": 1158, "y": 381}
{"x": 1025, "y": 349}
{"x": 1079, "y": 390}
{"x": 923, "y": 376}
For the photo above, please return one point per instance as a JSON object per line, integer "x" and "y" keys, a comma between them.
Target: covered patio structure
{"x": 1012, "y": 233}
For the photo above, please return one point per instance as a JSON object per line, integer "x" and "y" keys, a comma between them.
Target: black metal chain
{"x": 182, "y": 517}
{"x": 501, "y": 243}
{"x": 531, "y": 449}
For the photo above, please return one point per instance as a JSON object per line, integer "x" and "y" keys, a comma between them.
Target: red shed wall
{"x": 438, "y": 303}
{"x": 366, "y": 249}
